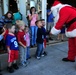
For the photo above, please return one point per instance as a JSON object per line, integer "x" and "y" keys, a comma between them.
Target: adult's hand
{"x": 50, "y": 33}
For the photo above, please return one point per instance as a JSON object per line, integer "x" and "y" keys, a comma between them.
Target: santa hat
{"x": 56, "y": 2}
{"x": 55, "y": 7}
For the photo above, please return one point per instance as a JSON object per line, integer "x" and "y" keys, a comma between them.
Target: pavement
{"x": 51, "y": 64}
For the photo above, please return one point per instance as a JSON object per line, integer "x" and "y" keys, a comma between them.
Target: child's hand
{"x": 4, "y": 29}
{"x": 9, "y": 51}
{"x": 24, "y": 46}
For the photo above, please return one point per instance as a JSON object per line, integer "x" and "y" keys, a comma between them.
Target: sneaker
{"x": 38, "y": 57}
{"x": 28, "y": 58}
{"x": 10, "y": 69}
{"x": 24, "y": 65}
{"x": 45, "y": 53}
{"x": 15, "y": 66}
{"x": 42, "y": 55}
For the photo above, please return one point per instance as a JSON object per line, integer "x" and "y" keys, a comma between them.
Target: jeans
{"x": 39, "y": 49}
{"x": 33, "y": 34}
{"x": 27, "y": 52}
{"x": 22, "y": 54}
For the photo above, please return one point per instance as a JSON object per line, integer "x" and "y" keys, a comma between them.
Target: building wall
{"x": 5, "y": 5}
{"x": 1, "y": 8}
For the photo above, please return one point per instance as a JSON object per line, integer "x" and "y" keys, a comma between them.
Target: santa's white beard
{"x": 56, "y": 15}
{"x": 55, "y": 12}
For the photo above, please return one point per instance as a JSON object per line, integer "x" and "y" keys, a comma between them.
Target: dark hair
{"x": 9, "y": 25}
{"x": 42, "y": 19}
{"x": 37, "y": 22}
{"x": 31, "y": 10}
{"x": 50, "y": 2}
{"x": 26, "y": 26}
{"x": 48, "y": 6}
{"x": 8, "y": 13}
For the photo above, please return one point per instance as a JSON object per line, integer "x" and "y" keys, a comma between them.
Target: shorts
{"x": 13, "y": 55}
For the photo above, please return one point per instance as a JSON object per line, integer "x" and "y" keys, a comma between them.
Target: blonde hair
{"x": 20, "y": 23}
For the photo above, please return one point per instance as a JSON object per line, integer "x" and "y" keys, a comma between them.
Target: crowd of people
{"x": 17, "y": 38}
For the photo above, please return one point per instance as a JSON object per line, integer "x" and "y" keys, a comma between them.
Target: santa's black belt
{"x": 70, "y": 23}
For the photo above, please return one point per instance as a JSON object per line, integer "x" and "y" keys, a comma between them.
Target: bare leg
{"x": 62, "y": 37}
{"x": 58, "y": 36}
{"x": 9, "y": 64}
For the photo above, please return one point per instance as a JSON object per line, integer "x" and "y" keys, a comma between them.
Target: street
{"x": 51, "y": 64}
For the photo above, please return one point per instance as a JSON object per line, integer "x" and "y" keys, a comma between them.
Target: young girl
{"x": 22, "y": 42}
{"x": 27, "y": 39}
{"x": 33, "y": 17}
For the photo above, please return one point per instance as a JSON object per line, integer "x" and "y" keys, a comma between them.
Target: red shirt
{"x": 20, "y": 36}
{"x": 6, "y": 33}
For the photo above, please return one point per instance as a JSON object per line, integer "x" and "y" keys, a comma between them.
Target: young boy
{"x": 12, "y": 47}
{"x": 40, "y": 39}
{"x": 22, "y": 42}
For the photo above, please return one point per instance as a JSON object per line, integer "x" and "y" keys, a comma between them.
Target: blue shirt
{"x": 11, "y": 42}
{"x": 49, "y": 17}
{"x": 4, "y": 20}
{"x": 1, "y": 37}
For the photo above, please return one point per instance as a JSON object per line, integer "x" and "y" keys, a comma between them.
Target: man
{"x": 50, "y": 21}
{"x": 60, "y": 12}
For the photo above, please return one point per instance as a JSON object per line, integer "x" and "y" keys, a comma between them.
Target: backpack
{"x": 17, "y": 16}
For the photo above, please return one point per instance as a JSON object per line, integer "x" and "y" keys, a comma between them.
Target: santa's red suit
{"x": 64, "y": 13}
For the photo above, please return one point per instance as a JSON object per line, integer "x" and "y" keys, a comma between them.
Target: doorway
{"x": 1, "y": 8}
{"x": 13, "y": 6}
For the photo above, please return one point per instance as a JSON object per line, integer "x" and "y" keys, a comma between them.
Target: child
{"x": 12, "y": 47}
{"x": 22, "y": 42}
{"x": 27, "y": 39}
{"x": 44, "y": 43}
{"x": 40, "y": 39}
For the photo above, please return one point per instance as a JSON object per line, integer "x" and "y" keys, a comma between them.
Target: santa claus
{"x": 65, "y": 15}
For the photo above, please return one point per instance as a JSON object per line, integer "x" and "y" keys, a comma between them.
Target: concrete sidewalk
{"x": 51, "y": 64}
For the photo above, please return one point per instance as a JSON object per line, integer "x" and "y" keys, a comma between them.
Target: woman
{"x": 7, "y": 18}
{"x": 33, "y": 17}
